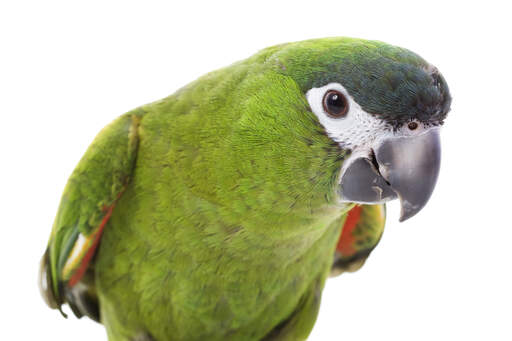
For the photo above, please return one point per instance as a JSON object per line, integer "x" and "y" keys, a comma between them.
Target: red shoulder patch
{"x": 346, "y": 242}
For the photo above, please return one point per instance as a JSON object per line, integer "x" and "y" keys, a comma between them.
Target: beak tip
{"x": 407, "y": 210}
{"x": 403, "y": 217}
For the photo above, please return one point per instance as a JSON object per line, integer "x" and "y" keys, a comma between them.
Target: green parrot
{"x": 219, "y": 212}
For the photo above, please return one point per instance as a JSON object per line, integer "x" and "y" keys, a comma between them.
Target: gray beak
{"x": 406, "y": 167}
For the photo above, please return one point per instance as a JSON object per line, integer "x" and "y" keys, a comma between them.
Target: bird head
{"x": 381, "y": 103}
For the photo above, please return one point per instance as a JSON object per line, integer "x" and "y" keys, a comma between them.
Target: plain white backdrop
{"x": 68, "y": 68}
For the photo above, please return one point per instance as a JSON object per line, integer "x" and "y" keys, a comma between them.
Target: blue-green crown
{"x": 389, "y": 82}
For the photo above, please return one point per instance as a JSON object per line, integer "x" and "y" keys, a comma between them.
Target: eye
{"x": 335, "y": 104}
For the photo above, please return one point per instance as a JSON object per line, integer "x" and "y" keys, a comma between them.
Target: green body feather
{"x": 230, "y": 219}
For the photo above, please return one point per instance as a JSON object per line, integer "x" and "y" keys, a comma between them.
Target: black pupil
{"x": 335, "y": 103}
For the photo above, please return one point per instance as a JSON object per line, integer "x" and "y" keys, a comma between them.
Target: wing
{"x": 362, "y": 230}
{"x": 87, "y": 203}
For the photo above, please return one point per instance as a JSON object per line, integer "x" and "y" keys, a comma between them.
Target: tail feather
{"x": 81, "y": 298}
{"x": 46, "y": 283}
{"x": 83, "y": 302}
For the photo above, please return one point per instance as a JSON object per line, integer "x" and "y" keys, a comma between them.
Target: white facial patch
{"x": 357, "y": 130}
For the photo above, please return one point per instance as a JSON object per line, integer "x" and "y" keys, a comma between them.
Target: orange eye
{"x": 335, "y": 104}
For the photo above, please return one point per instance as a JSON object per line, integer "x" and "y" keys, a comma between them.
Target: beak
{"x": 406, "y": 167}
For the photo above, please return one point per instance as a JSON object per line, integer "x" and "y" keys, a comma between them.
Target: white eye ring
{"x": 356, "y": 128}
{"x": 334, "y": 126}
{"x": 316, "y": 96}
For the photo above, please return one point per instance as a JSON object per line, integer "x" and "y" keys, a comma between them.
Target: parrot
{"x": 219, "y": 212}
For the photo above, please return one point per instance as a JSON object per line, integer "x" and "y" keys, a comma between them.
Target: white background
{"x": 68, "y": 69}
